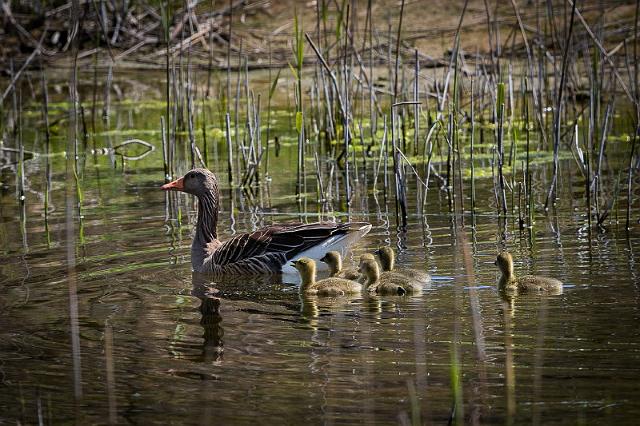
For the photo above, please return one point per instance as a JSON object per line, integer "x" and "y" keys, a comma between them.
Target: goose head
{"x": 387, "y": 258}
{"x": 334, "y": 260}
{"x": 369, "y": 268}
{"x": 504, "y": 262}
{"x": 367, "y": 256}
{"x": 198, "y": 182}
{"x": 306, "y": 267}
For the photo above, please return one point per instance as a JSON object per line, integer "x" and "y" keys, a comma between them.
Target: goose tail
{"x": 337, "y": 242}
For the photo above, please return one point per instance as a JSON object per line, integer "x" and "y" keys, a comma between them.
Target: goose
{"x": 327, "y": 287}
{"x": 334, "y": 260}
{"x": 388, "y": 260}
{"x": 526, "y": 283}
{"x": 264, "y": 251}
{"x": 389, "y": 285}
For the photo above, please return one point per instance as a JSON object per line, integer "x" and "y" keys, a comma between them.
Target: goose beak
{"x": 176, "y": 185}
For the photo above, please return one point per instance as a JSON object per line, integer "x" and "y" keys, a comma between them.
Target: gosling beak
{"x": 495, "y": 262}
{"x": 323, "y": 259}
{"x": 377, "y": 252}
{"x": 294, "y": 263}
{"x": 176, "y": 185}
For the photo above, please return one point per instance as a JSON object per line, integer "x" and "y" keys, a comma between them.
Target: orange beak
{"x": 176, "y": 185}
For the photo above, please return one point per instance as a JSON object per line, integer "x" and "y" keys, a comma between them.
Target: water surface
{"x": 101, "y": 319}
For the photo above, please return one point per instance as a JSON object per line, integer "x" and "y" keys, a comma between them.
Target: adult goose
{"x": 265, "y": 251}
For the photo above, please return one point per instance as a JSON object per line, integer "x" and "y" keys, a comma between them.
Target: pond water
{"x": 102, "y": 320}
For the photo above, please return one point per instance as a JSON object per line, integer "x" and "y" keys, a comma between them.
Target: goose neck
{"x": 206, "y": 227}
{"x": 508, "y": 273}
{"x": 335, "y": 267}
{"x": 307, "y": 278}
{"x": 372, "y": 276}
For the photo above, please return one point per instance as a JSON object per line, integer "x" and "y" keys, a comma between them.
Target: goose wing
{"x": 274, "y": 245}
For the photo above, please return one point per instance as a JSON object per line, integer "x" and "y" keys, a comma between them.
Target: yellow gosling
{"x": 379, "y": 284}
{"x": 367, "y": 256}
{"x": 369, "y": 268}
{"x": 334, "y": 260}
{"x": 385, "y": 275}
{"x": 526, "y": 283}
{"x": 362, "y": 279}
{"x": 388, "y": 261}
{"x": 327, "y": 287}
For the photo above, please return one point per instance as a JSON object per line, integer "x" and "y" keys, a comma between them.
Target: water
{"x": 130, "y": 335}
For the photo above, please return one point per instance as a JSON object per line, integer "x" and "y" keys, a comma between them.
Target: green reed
{"x": 296, "y": 69}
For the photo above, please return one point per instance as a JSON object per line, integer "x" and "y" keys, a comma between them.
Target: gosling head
{"x": 387, "y": 258}
{"x": 367, "y": 256}
{"x": 306, "y": 268}
{"x": 504, "y": 262}
{"x": 369, "y": 268}
{"x": 334, "y": 260}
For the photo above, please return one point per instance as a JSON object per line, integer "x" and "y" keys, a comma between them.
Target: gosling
{"x": 327, "y": 287}
{"x": 366, "y": 256}
{"x": 386, "y": 275}
{"x": 334, "y": 260}
{"x": 376, "y": 284}
{"x": 526, "y": 283}
{"x": 388, "y": 260}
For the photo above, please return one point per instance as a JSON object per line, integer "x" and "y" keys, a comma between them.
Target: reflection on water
{"x": 211, "y": 320}
{"x": 158, "y": 344}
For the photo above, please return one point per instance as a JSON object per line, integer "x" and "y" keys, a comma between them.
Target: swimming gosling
{"x": 334, "y": 260}
{"x": 366, "y": 256}
{"x": 388, "y": 261}
{"x": 327, "y": 287}
{"x": 386, "y": 275}
{"x": 526, "y": 283}
{"x": 386, "y": 285}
